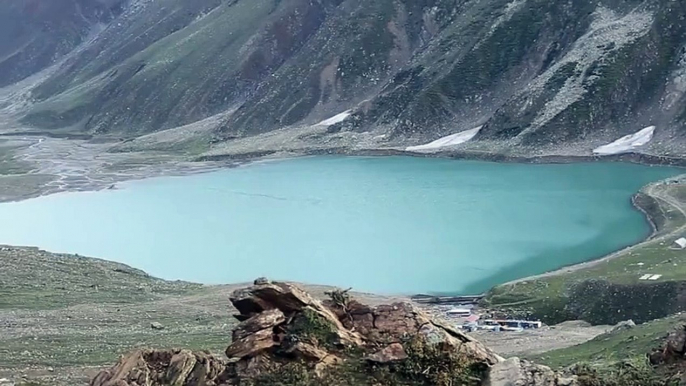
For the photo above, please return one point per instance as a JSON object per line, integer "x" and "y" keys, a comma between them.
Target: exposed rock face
{"x": 393, "y": 323}
{"x": 40, "y": 32}
{"x": 290, "y": 300}
{"x": 259, "y": 322}
{"x": 674, "y": 349}
{"x": 394, "y": 352}
{"x": 281, "y": 326}
{"x": 671, "y": 357}
{"x": 173, "y": 368}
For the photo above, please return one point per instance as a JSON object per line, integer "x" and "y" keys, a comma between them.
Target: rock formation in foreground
{"x": 672, "y": 355}
{"x": 286, "y": 337}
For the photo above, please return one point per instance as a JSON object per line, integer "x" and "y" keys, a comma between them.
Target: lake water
{"x": 388, "y": 225}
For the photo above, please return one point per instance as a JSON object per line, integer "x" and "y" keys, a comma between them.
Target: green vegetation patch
{"x": 427, "y": 364}
{"x": 561, "y": 75}
{"x": 65, "y": 311}
{"x": 88, "y": 348}
{"x": 311, "y": 326}
{"x": 618, "y": 346}
{"x": 436, "y": 364}
{"x": 34, "y": 279}
{"x": 636, "y": 372}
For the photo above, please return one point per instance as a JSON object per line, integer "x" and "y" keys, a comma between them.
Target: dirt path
{"x": 533, "y": 342}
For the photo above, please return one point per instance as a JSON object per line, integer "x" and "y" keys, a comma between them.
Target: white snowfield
{"x": 335, "y": 119}
{"x": 627, "y": 143}
{"x": 450, "y": 140}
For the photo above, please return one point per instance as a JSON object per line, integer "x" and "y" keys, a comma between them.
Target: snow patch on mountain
{"x": 627, "y": 143}
{"x": 335, "y": 119}
{"x": 450, "y": 140}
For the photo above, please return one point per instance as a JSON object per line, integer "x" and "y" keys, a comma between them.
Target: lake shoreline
{"x": 209, "y": 164}
{"x": 638, "y": 158}
{"x": 650, "y": 218}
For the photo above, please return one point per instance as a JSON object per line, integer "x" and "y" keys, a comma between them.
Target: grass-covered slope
{"x": 620, "y": 345}
{"x": 67, "y": 313}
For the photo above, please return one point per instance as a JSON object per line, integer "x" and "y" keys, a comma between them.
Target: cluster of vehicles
{"x": 501, "y": 325}
{"x": 472, "y": 322}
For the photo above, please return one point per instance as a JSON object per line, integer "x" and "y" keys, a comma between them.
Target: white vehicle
{"x": 511, "y": 329}
{"x": 459, "y": 312}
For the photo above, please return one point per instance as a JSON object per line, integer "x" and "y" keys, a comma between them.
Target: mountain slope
{"x": 38, "y": 33}
{"x": 541, "y": 77}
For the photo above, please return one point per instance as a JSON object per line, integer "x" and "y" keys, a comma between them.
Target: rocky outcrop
{"x": 253, "y": 302}
{"x": 673, "y": 350}
{"x": 393, "y": 323}
{"x": 281, "y": 322}
{"x": 670, "y": 358}
{"x": 622, "y": 326}
{"x": 283, "y": 331}
{"x": 172, "y": 367}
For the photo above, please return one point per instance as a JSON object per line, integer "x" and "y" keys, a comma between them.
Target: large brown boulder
{"x": 259, "y": 322}
{"x": 290, "y": 300}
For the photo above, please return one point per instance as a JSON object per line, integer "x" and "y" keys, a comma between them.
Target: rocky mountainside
{"x": 537, "y": 76}
{"x": 36, "y": 34}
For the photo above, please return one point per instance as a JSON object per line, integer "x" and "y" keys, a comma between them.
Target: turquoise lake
{"x": 387, "y": 224}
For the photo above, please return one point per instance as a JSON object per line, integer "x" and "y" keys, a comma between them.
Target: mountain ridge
{"x": 539, "y": 77}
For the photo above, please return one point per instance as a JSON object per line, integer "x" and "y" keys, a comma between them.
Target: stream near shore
{"x": 386, "y": 225}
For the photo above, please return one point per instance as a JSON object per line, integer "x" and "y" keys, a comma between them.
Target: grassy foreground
{"x": 610, "y": 290}
{"x": 63, "y": 318}
{"x": 60, "y": 314}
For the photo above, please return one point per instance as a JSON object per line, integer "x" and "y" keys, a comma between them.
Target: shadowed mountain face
{"x": 534, "y": 73}
{"x": 36, "y": 33}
